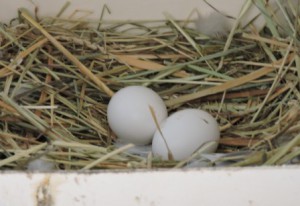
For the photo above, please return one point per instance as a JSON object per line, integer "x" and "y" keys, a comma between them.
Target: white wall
{"x": 123, "y": 9}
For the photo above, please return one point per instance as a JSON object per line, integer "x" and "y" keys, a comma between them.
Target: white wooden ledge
{"x": 276, "y": 186}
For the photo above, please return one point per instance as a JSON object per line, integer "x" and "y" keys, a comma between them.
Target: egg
{"x": 129, "y": 115}
{"x": 184, "y": 132}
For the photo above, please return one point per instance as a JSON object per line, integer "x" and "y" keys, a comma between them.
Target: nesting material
{"x": 58, "y": 75}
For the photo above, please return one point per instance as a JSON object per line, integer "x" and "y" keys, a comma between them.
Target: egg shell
{"x": 129, "y": 114}
{"x": 185, "y": 132}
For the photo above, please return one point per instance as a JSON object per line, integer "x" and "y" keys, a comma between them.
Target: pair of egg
{"x": 132, "y": 115}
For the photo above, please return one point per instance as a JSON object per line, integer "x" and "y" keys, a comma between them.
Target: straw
{"x": 68, "y": 54}
{"x": 58, "y": 75}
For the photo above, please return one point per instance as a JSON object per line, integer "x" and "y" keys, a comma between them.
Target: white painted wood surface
{"x": 276, "y": 186}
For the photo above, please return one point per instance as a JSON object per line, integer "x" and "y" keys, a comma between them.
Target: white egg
{"x": 185, "y": 132}
{"x": 129, "y": 114}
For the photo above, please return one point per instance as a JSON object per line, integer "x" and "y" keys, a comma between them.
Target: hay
{"x": 57, "y": 76}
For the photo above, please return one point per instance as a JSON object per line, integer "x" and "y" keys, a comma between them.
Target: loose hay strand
{"x": 107, "y": 156}
{"x": 68, "y": 54}
{"x": 227, "y": 85}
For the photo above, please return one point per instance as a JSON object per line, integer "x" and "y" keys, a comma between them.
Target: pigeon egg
{"x": 184, "y": 132}
{"x": 129, "y": 115}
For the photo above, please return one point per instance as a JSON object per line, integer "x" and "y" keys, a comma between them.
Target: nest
{"x": 57, "y": 77}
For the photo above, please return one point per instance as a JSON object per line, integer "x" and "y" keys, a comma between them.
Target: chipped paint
{"x": 43, "y": 194}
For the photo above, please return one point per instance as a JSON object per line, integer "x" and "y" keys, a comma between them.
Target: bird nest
{"x": 58, "y": 75}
